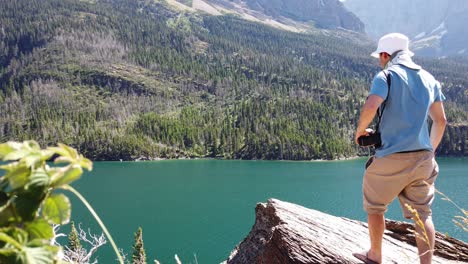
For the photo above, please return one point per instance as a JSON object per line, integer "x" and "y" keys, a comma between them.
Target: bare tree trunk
{"x": 287, "y": 233}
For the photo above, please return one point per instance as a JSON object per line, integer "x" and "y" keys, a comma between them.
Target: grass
{"x": 459, "y": 220}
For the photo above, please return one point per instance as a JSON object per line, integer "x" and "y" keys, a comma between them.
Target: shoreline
{"x": 146, "y": 159}
{"x": 209, "y": 158}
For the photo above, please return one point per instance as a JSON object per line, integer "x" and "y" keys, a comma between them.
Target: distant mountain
{"x": 437, "y": 28}
{"x": 293, "y": 15}
{"x": 329, "y": 14}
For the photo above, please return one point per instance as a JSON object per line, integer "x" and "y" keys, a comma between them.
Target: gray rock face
{"x": 329, "y": 14}
{"x": 287, "y": 233}
{"x": 437, "y": 28}
{"x": 323, "y": 14}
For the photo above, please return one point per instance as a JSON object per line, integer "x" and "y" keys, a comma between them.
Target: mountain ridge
{"x": 295, "y": 15}
{"x": 436, "y": 28}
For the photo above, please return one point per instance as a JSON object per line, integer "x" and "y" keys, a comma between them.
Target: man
{"x": 404, "y": 165}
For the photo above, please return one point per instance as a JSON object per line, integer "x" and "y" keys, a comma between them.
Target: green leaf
{"x": 39, "y": 229}
{"x": 16, "y": 155}
{"x": 10, "y": 240}
{"x": 7, "y": 148}
{"x": 38, "y": 255}
{"x": 57, "y": 209}
{"x": 68, "y": 154}
{"x": 3, "y": 183}
{"x": 72, "y": 153}
{"x": 3, "y": 199}
{"x": 58, "y": 151}
{"x": 86, "y": 163}
{"x": 11, "y": 166}
{"x": 16, "y": 233}
{"x": 46, "y": 154}
{"x": 18, "y": 177}
{"x": 27, "y": 203}
{"x": 37, "y": 242}
{"x": 7, "y": 215}
{"x": 8, "y": 255}
{"x": 73, "y": 173}
{"x": 38, "y": 179}
{"x": 55, "y": 173}
{"x": 31, "y": 144}
{"x": 21, "y": 150}
{"x": 32, "y": 159}
{"x": 63, "y": 159}
{"x": 29, "y": 152}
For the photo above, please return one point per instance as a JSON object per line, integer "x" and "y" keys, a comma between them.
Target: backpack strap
{"x": 382, "y": 107}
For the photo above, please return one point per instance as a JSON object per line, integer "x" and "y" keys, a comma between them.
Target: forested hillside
{"x": 129, "y": 79}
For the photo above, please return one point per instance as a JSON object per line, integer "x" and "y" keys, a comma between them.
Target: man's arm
{"x": 437, "y": 113}
{"x": 367, "y": 114}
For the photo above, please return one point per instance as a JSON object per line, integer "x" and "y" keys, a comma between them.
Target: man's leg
{"x": 420, "y": 195}
{"x": 376, "y": 223}
{"x": 383, "y": 181}
{"x": 425, "y": 248}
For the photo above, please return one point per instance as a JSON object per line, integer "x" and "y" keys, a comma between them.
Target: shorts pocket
{"x": 369, "y": 161}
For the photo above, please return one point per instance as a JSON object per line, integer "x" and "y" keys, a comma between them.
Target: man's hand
{"x": 367, "y": 114}
{"x": 365, "y": 132}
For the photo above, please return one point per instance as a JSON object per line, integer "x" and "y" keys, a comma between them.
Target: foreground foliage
{"x": 30, "y": 201}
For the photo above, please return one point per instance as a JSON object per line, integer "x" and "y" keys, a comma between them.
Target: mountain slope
{"x": 325, "y": 14}
{"x": 125, "y": 79}
{"x": 437, "y": 27}
{"x": 292, "y": 15}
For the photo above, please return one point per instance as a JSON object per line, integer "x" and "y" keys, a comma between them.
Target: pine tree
{"x": 73, "y": 239}
{"x": 138, "y": 255}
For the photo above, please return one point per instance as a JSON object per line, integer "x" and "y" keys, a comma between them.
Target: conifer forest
{"x": 137, "y": 79}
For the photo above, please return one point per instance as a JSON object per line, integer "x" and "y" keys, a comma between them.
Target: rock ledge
{"x": 287, "y": 233}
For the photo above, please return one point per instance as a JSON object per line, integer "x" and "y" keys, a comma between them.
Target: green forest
{"x": 136, "y": 79}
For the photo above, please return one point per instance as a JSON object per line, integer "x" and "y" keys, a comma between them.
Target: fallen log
{"x": 287, "y": 233}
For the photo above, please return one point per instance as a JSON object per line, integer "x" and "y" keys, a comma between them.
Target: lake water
{"x": 204, "y": 208}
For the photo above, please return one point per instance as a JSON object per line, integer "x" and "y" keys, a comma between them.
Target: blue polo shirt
{"x": 404, "y": 125}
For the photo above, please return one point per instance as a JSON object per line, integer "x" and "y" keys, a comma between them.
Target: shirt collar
{"x": 403, "y": 58}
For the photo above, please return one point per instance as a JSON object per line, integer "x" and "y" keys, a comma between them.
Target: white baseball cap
{"x": 391, "y": 43}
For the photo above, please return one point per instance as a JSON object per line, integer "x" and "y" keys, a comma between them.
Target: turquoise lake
{"x": 201, "y": 209}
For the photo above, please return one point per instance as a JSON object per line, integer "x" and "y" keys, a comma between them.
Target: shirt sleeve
{"x": 438, "y": 95}
{"x": 379, "y": 86}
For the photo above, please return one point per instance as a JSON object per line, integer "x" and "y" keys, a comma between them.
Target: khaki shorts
{"x": 408, "y": 176}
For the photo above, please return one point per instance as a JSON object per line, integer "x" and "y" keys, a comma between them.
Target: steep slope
{"x": 325, "y": 14}
{"x": 292, "y": 15}
{"x": 437, "y": 27}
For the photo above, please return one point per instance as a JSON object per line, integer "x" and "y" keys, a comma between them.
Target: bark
{"x": 287, "y": 233}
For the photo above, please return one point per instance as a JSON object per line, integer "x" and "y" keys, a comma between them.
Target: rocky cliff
{"x": 287, "y": 233}
{"x": 292, "y": 15}
{"x": 437, "y": 28}
{"x": 329, "y": 14}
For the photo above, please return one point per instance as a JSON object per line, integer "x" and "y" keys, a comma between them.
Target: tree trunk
{"x": 287, "y": 233}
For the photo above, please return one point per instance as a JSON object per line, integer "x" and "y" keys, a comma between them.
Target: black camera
{"x": 373, "y": 139}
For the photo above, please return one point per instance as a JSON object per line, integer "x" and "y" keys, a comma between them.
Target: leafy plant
{"x": 29, "y": 203}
